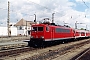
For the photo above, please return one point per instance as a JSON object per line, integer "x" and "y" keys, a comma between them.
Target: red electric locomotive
{"x": 49, "y": 32}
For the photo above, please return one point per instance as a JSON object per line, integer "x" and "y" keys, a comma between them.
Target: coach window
{"x": 62, "y": 30}
{"x": 74, "y": 31}
{"x": 57, "y": 30}
{"x": 68, "y": 31}
{"x": 47, "y": 28}
{"x": 82, "y": 33}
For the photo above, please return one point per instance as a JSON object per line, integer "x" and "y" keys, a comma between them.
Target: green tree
{"x": 82, "y": 29}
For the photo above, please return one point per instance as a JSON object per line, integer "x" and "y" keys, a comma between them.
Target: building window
{"x": 20, "y": 28}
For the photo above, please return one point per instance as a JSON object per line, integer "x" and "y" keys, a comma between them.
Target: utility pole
{"x": 35, "y": 18}
{"x": 8, "y": 20}
{"x": 26, "y": 27}
{"x": 53, "y": 17}
{"x": 76, "y": 25}
{"x": 86, "y": 27}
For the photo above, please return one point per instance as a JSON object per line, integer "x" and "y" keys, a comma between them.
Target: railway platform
{"x": 13, "y": 38}
{"x": 13, "y": 42}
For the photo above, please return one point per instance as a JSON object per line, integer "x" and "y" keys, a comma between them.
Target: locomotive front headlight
{"x": 42, "y": 36}
{"x": 31, "y": 37}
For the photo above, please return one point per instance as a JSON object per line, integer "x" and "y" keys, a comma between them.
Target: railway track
{"x": 51, "y": 54}
{"x": 83, "y": 55}
{"x": 12, "y": 45}
{"x": 43, "y": 53}
{"x": 14, "y": 52}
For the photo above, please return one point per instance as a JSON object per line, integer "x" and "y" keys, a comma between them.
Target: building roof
{"x": 23, "y": 22}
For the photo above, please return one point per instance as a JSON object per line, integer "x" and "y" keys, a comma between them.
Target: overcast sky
{"x": 68, "y": 11}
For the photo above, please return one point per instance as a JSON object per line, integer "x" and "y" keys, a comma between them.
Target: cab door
{"x": 52, "y": 33}
{"x": 48, "y": 33}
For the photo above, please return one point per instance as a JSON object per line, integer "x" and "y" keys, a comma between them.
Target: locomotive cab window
{"x": 40, "y": 28}
{"x": 37, "y": 28}
{"x": 34, "y": 28}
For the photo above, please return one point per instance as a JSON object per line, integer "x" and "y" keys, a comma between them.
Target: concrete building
{"x": 4, "y": 31}
{"x": 23, "y": 27}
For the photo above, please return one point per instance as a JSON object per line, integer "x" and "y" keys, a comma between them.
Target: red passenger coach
{"x": 82, "y": 33}
{"x": 88, "y": 34}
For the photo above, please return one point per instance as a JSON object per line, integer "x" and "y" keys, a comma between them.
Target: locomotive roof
{"x": 56, "y": 26}
{"x": 78, "y": 30}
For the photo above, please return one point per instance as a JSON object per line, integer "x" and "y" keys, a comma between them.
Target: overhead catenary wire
{"x": 34, "y": 3}
{"x": 54, "y": 11}
{"x": 14, "y": 11}
{"x": 45, "y": 7}
{"x": 41, "y": 6}
{"x": 85, "y": 4}
{"x": 3, "y": 9}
